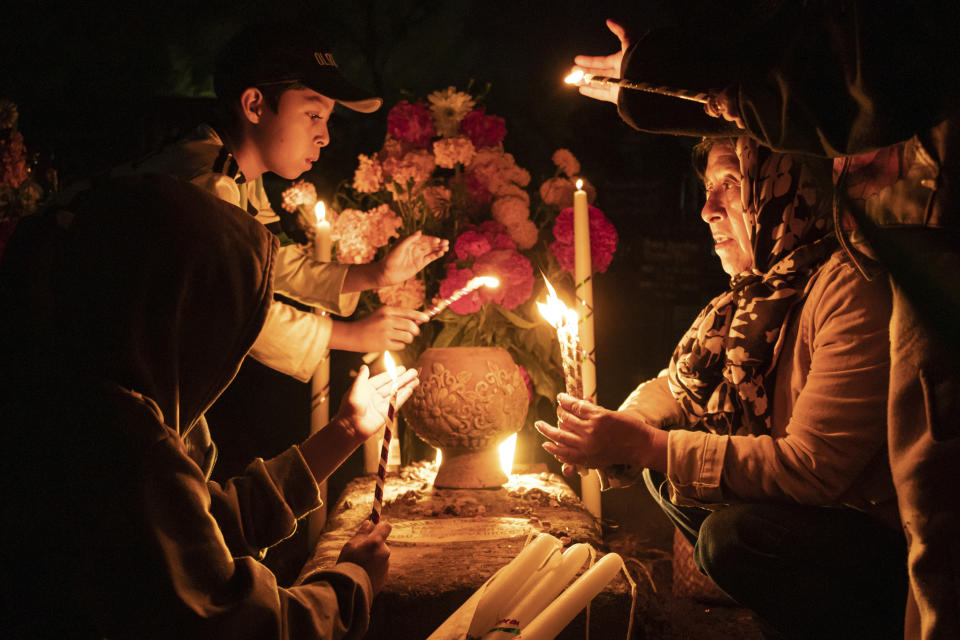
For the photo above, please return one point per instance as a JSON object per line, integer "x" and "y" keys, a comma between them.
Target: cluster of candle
{"x": 575, "y": 333}
{"x": 565, "y": 321}
{"x": 530, "y": 596}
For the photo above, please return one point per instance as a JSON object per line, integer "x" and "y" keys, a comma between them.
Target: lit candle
{"x": 320, "y": 383}
{"x": 581, "y": 79}
{"x": 583, "y": 276}
{"x": 472, "y": 285}
{"x": 387, "y": 435}
{"x": 565, "y": 321}
{"x": 533, "y": 599}
{"x": 565, "y": 608}
{"x": 504, "y": 586}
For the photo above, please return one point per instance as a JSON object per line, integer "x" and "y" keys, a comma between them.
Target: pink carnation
{"x": 483, "y": 130}
{"x": 603, "y": 240}
{"x": 496, "y": 234}
{"x": 412, "y": 123}
{"x": 470, "y": 244}
{"x": 514, "y": 272}
{"x": 457, "y": 279}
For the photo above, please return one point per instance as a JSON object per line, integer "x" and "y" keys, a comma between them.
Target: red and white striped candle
{"x": 387, "y": 436}
{"x": 471, "y": 286}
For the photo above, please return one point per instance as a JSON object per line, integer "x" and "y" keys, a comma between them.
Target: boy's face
{"x": 290, "y": 139}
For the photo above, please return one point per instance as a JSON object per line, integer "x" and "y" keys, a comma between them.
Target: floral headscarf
{"x": 718, "y": 370}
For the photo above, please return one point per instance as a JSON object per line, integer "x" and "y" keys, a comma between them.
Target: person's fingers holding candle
{"x": 723, "y": 104}
{"x": 589, "y": 435}
{"x": 368, "y": 548}
{"x": 608, "y": 65}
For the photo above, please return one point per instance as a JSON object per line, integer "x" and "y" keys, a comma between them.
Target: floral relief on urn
{"x": 468, "y": 401}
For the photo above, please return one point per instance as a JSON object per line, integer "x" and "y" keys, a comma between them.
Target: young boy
{"x": 276, "y": 87}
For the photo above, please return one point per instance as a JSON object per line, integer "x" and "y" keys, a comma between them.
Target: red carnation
{"x": 470, "y": 244}
{"x": 411, "y": 123}
{"x": 457, "y": 279}
{"x": 483, "y": 130}
{"x": 603, "y": 240}
{"x": 514, "y": 272}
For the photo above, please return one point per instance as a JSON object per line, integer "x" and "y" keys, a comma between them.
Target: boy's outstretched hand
{"x": 364, "y": 408}
{"x": 409, "y": 257}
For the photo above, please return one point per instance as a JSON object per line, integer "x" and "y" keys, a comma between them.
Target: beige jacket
{"x": 827, "y": 441}
{"x": 292, "y": 341}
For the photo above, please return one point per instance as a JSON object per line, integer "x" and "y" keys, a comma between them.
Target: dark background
{"x": 98, "y": 83}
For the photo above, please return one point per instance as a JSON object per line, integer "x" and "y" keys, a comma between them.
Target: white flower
{"x": 448, "y": 108}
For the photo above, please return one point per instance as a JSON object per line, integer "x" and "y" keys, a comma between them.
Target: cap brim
{"x": 368, "y": 105}
{"x": 329, "y": 82}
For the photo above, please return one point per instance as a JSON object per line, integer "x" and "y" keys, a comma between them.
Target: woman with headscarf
{"x": 123, "y": 319}
{"x": 763, "y": 440}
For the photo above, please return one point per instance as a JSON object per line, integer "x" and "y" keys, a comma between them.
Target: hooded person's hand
{"x": 608, "y": 65}
{"x": 368, "y": 549}
{"x": 365, "y": 407}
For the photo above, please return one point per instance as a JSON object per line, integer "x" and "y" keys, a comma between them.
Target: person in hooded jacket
{"x": 123, "y": 318}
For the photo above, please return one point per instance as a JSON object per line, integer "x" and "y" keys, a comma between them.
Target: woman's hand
{"x": 587, "y": 435}
{"x": 365, "y": 407}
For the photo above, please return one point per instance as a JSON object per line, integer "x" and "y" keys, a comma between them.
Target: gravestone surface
{"x": 446, "y": 543}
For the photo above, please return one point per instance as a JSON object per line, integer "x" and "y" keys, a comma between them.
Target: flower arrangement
{"x": 20, "y": 193}
{"x": 443, "y": 169}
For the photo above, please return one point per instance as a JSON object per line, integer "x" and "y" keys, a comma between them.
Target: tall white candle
{"x": 533, "y": 598}
{"x": 504, "y": 586}
{"x": 565, "y": 608}
{"x": 320, "y": 383}
{"x": 583, "y": 276}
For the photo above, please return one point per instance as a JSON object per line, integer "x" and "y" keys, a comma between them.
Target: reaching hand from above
{"x": 409, "y": 257}
{"x": 364, "y": 408}
{"x": 587, "y": 435}
{"x": 368, "y": 548}
{"x": 605, "y": 66}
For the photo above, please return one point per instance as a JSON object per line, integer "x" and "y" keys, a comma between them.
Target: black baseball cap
{"x": 275, "y": 53}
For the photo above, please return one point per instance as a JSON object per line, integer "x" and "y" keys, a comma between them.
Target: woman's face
{"x": 723, "y": 210}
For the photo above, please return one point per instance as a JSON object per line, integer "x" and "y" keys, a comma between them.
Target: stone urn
{"x": 469, "y": 400}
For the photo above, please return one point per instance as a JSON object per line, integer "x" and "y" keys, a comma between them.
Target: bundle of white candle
{"x": 525, "y": 598}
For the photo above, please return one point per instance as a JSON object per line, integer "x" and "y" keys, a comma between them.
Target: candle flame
{"x": 575, "y": 77}
{"x": 439, "y": 458}
{"x": 320, "y": 211}
{"x": 579, "y": 185}
{"x": 506, "y": 450}
{"x": 554, "y": 311}
{"x": 391, "y": 368}
{"x": 485, "y": 281}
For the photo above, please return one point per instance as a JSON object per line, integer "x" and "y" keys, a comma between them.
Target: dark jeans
{"x": 809, "y": 572}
